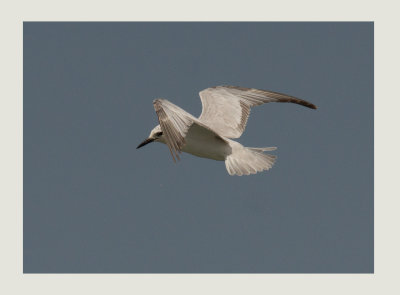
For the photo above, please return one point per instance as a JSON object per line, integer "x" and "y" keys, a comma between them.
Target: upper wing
{"x": 175, "y": 124}
{"x": 227, "y": 108}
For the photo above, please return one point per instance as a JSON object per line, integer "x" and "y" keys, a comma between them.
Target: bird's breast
{"x": 206, "y": 145}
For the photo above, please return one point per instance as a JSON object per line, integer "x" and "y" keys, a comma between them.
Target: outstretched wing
{"x": 227, "y": 108}
{"x": 175, "y": 124}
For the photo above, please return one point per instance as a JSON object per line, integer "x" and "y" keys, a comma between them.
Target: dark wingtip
{"x": 307, "y": 104}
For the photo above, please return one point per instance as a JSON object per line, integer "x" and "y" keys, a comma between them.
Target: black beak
{"x": 146, "y": 141}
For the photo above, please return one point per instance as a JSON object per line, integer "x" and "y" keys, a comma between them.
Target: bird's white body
{"x": 224, "y": 116}
{"x": 203, "y": 144}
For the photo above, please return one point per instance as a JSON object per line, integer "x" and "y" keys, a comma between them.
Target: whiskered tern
{"x": 224, "y": 116}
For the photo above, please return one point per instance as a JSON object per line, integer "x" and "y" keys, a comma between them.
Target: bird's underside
{"x": 225, "y": 112}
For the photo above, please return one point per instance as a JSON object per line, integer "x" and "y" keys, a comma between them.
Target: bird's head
{"x": 155, "y": 135}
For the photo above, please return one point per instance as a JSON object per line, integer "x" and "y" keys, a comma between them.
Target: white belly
{"x": 202, "y": 143}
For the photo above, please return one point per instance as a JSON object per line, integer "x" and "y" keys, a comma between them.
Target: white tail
{"x": 245, "y": 161}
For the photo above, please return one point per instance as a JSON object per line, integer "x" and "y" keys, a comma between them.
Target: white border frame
{"x": 387, "y": 196}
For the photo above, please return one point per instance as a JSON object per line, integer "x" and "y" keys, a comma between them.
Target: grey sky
{"x": 93, "y": 203}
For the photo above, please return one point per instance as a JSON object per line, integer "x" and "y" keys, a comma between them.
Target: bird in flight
{"x": 224, "y": 117}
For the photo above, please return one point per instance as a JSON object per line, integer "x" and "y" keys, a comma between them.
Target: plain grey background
{"x": 93, "y": 203}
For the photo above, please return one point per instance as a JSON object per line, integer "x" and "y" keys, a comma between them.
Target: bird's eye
{"x": 158, "y": 134}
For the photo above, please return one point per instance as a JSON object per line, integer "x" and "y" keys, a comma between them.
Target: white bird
{"x": 224, "y": 116}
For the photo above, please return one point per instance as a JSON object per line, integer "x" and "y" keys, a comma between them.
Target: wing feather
{"x": 174, "y": 123}
{"x": 226, "y": 109}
